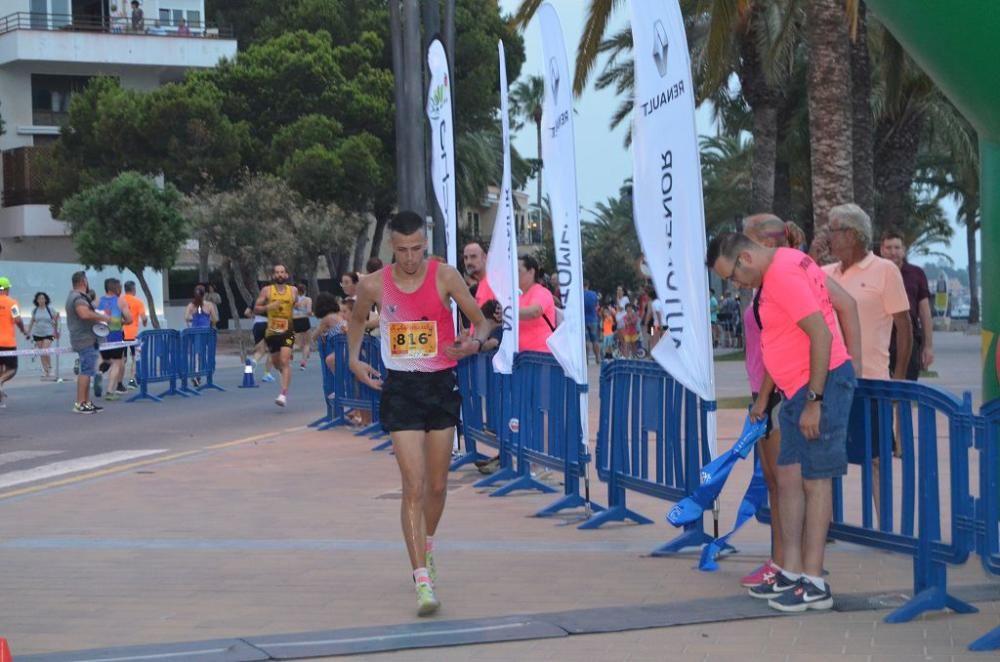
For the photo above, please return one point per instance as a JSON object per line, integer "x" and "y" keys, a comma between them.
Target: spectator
{"x": 591, "y": 306}
{"x": 877, "y": 286}
{"x": 349, "y": 283}
{"x": 630, "y": 331}
{"x": 474, "y": 261}
{"x": 537, "y": 311}
{"x": 713, "y": 313}
{"x": 373, "y": 264}
{"x": 80, "y": 320}
{"x": 43, "y": 329}
{"x": 553, "y": 284}
{"x": 657, "y": 317}
{"x": 119, "y": 19}
{"x": 138, "y": 20}
{"x": 201, "y": 313}
{"x": 806, "y": 356}
{"x": 608, "y": 331}
{"x": 10, "y": 316}
{"x": 919, "y": 295}
{"x": 331, "y": 323}
{"x": 182, "y": 29}
{"x": 138, "y": 310}
{"x": 729, "y": 313}
{"x": 157, "y": 30}
{"x": 302, "y": 311}
{"x": 492, "y": 310}
{"x": 116, "y": 309}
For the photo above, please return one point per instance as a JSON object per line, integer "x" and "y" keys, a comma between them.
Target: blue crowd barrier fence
{"x": 486, "y": 399}
{"x": 651, "y": 439}
{"x": 196, "y": 360}
{"x": 549, "y": 431}
{"x": 157, "y": 362}
{"x": 348, "y": 394}
{"x": 912, "y": 522}
{"x": 987, "y": 519}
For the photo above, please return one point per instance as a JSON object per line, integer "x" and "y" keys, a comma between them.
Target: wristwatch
{"x": 813, "y": 396}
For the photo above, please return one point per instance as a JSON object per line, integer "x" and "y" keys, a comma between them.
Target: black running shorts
{"x": 110, "y": 354}
{"x": 259, "y": 329}
{"x": 8, "y": 362}
{"x": 300, "y": 324}
{"x": 422, "y": 401}
{"x": 277, "y": 341}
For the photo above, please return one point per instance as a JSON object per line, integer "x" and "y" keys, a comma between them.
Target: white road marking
{"x": 18, "y": 456}
{"x": 401, "y": 635}
{"x": 76, "y": 465}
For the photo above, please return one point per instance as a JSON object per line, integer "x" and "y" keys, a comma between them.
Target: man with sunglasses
{"x": 806, "y": 356}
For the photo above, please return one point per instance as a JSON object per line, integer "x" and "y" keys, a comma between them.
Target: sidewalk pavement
{"x": 300, "y": 532}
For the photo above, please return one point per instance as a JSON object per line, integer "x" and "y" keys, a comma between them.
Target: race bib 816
{"x": 413, "y": 340}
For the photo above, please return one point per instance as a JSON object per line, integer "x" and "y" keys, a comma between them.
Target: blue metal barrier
{"x": 196, "y": 360}
{"x": 651, "y": 439}
{"x": 348, "y": 393}
{"x": 324, "y": 346}
{"x": 478, "y": 384}
{"x": 911, "y": 525}
{"x": 987, "y": 520}
{"x": 157, "y": 362}
{"x": 547, "y": 406}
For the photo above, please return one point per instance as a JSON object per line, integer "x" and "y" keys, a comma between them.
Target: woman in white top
{"x": 43, "y": 329}
{"x": 301, "y": 312}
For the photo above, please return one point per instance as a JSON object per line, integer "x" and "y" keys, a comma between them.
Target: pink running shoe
{"x": 763, "y": 574}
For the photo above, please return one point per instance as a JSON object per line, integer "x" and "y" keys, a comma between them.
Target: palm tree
{"x": 526, "y": 98}
{"x": 726, "y": 179}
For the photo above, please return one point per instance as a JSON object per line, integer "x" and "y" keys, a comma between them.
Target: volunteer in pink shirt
{"x": 805, "y": 354}
{"x": 538, "y": 308}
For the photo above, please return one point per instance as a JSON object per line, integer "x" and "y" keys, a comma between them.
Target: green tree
{"x": 129, "y": 223}
{"x": 526, "y": 99}
{"x": 611, "y": 246}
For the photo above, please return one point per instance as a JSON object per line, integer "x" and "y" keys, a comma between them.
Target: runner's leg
{"x": 437, "y": 457}
{"x": 283, "y": 363}
{"x": 408, "y": 447}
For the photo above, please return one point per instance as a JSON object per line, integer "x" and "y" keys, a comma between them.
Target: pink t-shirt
{"x": 754, "y": 357}
{"x": 794, "y": 288}
{"x": 484, "y": 292}
{"x": 532, "y": 334}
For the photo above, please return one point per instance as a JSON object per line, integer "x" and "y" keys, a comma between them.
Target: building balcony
{"x": 31, "y": 37}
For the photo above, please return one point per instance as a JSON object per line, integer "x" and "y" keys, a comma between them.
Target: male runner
{"x": 420, "y": 399}
{"x": 277, "y": 302}
{"x": 10, "y": 317}
{"x": 114, "y": 306}
{"x": 138, "y": 310}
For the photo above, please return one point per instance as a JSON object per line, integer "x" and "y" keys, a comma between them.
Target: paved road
{"x": 41, "y": 439}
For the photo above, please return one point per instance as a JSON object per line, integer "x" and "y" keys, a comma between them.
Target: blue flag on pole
{"x": 714, "y": 475}
{"x": 753, "y": 499}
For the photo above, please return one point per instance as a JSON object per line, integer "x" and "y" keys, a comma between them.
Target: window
{"x": 164, "y": 17}
{"x": 472, "y": 221}
{"x": 61, "y": 13}
{"x": 51, "y": 96}
{"x": 39, "y": 14}
{"x": 194, "y": 19}
{"x": 178, "y": 14}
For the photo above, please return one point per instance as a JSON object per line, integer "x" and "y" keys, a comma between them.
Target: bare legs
{"x": 769, "y": 463}
{"x": 423, "y": 460}
{"x": 282, "y": 360}
{"x": 806, "y": 509}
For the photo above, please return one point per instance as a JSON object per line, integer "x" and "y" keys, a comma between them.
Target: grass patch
{"x": 741, "y": 402}
{"x": 732, "y": 356}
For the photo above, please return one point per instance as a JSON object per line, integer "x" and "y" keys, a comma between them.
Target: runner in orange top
{"x": 10, "y": 316}
{"x": 138, "y": 310}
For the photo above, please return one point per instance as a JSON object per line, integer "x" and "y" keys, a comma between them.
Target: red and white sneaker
{"x": 763, "y": 574}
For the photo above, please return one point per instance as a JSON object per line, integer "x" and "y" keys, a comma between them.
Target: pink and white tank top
{"x": 416, "y": 326}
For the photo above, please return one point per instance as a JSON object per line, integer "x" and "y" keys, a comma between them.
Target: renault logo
{"x": 660, "y": 47}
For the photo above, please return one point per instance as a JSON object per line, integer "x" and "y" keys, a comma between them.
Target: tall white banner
{"x": 568, "y": 343}
{"x": 501, "y": 264}
{"x": 440, "y": 114}
{"x": 667, "y": 194}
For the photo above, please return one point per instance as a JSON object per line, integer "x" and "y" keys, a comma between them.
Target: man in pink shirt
{"x": 805, "y": 354}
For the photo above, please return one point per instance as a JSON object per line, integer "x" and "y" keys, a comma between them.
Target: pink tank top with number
{"x": 415, "y": 326}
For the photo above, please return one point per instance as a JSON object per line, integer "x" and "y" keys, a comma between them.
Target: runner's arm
{"x": 459, "y": 292}
{"x": 262, "y": 305}
{"x": 126, "y": 311}
{"x": 88, "y": 314}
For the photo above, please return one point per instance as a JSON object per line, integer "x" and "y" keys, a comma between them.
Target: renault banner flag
{"x": 439, "y": 112}
{"x": 559, "y": 156}
{"x": 667, "y": 194}
{"x": 501, "y": 264}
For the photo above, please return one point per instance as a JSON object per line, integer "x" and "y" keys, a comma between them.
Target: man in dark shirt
{"x": 917, "y": 291}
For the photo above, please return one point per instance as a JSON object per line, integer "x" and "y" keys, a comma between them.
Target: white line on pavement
{"x": 76, "y": 465}
{"x": 18, "y": 456}
{"x": 158, "y": 656}
{"x": 401, "y": 635}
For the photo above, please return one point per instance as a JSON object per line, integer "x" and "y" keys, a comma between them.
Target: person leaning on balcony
{"x": 157, "y": 30}
{"x": 183, "y": 30}
{"x": 119, "y": 19}
{"x": 138, "y": 19}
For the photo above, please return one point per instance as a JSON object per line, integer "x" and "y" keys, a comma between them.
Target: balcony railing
{"x": 22, "y": 183}
{"x": 107, "y": 24}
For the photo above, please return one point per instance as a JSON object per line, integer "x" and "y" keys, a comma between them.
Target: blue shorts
{"x": 593, "y": 332}
{"x": 88, "y": 361}
{"x": 825, "y": 457}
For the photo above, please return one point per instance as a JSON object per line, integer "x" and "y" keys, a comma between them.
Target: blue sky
{"x": 603, "y": 162}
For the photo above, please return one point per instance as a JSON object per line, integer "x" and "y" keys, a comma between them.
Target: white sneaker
{"x": 280, "y": 400}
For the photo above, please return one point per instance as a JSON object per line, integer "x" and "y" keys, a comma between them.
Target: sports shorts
{"x": 109, "y": 354}
{"x": 421, "y": 401}
{"x": 8, "y": 362}
{"x": 258, "y": 332}
{"x": 275, "y": 342}
{"x": 301, "y": 324}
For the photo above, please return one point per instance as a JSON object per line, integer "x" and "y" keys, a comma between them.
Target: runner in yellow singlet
{"x": 277, "y": 301}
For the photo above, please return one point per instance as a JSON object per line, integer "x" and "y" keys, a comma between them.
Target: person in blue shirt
{"x": 591, "y": 302}
{"x": 114, "y": 306}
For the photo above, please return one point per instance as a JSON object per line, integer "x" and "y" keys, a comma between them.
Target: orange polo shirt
{"x": 9, "y": 312}
{"x": 877, "y": 287}
{"x": 138, "y": 309}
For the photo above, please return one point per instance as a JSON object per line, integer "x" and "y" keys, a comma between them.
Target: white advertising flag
{"x": 501, "y": 264}
{"x": 568, "y": 343}
{"x": 439, "y": 112}
{"x": 667, "y": 193}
